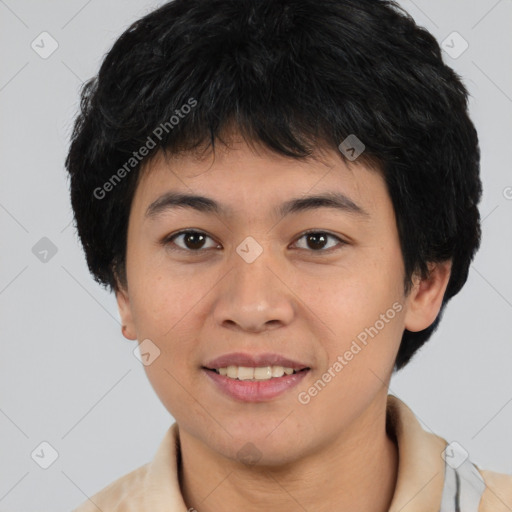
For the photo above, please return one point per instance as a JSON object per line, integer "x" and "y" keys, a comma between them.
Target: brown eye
{"x": 317, "y": 241}
{"x": 192, "y": 241}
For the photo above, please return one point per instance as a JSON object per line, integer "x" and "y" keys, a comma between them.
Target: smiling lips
{"x": 259, "y": 373}
{"x": 255, "y": 378}
{"x": 254, "y": 361}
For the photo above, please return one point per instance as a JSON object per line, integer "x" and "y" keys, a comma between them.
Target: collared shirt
{"x": 433, "y": 476}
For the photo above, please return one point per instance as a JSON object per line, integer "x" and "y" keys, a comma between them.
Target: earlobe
{"x": 426, "y": 297}
{"x": 124, "y": 306}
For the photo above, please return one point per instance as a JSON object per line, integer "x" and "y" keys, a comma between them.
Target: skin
{"x": 294, "y": 300}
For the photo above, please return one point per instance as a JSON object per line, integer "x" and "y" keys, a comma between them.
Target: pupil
{"x": 194, "y": 240}
{"x": 316, "y": 237}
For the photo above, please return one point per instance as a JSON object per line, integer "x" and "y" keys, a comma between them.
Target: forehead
{"x": 244, "y": 177}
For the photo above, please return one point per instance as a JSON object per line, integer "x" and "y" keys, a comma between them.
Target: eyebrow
{"x": 172, "y": 200}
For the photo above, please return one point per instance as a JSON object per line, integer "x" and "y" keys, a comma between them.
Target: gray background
{"x": 67, "y": 375}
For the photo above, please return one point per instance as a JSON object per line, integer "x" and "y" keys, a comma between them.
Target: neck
{"x": 357, "y": 471}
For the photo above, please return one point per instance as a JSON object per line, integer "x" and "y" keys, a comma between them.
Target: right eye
{"x": 192, "y": 241}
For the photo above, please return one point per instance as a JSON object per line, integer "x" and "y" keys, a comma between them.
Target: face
{"x": 259, "y": 276}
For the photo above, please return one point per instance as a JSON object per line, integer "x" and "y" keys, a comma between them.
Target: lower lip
{"x": 255, "y": 390}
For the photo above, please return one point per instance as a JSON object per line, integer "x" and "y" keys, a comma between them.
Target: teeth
{"x": 277, "y": 371}
{"x": 244, "y": 373}
{"x": 249, "y": 373}
{"x": 263, "y": 373}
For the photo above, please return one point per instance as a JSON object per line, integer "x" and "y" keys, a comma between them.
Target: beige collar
{"x": 420, "y": 481}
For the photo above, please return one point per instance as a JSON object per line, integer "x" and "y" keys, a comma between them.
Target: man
{"x": 283, "y": 197}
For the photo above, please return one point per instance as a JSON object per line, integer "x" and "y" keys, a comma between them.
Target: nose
{"x": 254, "y": 297}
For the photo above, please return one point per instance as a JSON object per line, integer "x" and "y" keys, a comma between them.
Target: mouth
{"x": 257, "y": 380}
{"x": 255, "y": 374}
{"x": 254, "y": 378}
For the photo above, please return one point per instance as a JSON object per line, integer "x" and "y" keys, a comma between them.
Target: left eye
{"x": 194, "y": 240}
{"x": 319, "y": 238}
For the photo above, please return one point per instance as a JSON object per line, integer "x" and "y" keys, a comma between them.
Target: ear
{"x": 426, "y": 297}
{"x": 125, "y": 311}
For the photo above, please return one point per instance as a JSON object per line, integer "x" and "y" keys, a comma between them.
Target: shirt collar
{"x": 420, "y": 477}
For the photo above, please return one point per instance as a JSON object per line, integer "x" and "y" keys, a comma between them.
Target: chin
{"x": 258, "y": 447}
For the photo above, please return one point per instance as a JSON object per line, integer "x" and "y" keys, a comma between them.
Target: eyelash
{"x": 170, "y": 239}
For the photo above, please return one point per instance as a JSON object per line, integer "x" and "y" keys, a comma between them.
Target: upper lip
{"x": 254, "y": 360}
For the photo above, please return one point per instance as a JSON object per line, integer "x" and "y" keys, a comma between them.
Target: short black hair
{"x": 293, "y": 75}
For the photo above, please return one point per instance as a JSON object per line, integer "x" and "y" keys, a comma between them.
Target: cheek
{"x": 162, "y": 302}
{"x": 164, "y": 308}
{"x": 363, "y": 305}
{"x": 168, "y": 377}
{"x": 365, "y": 325}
